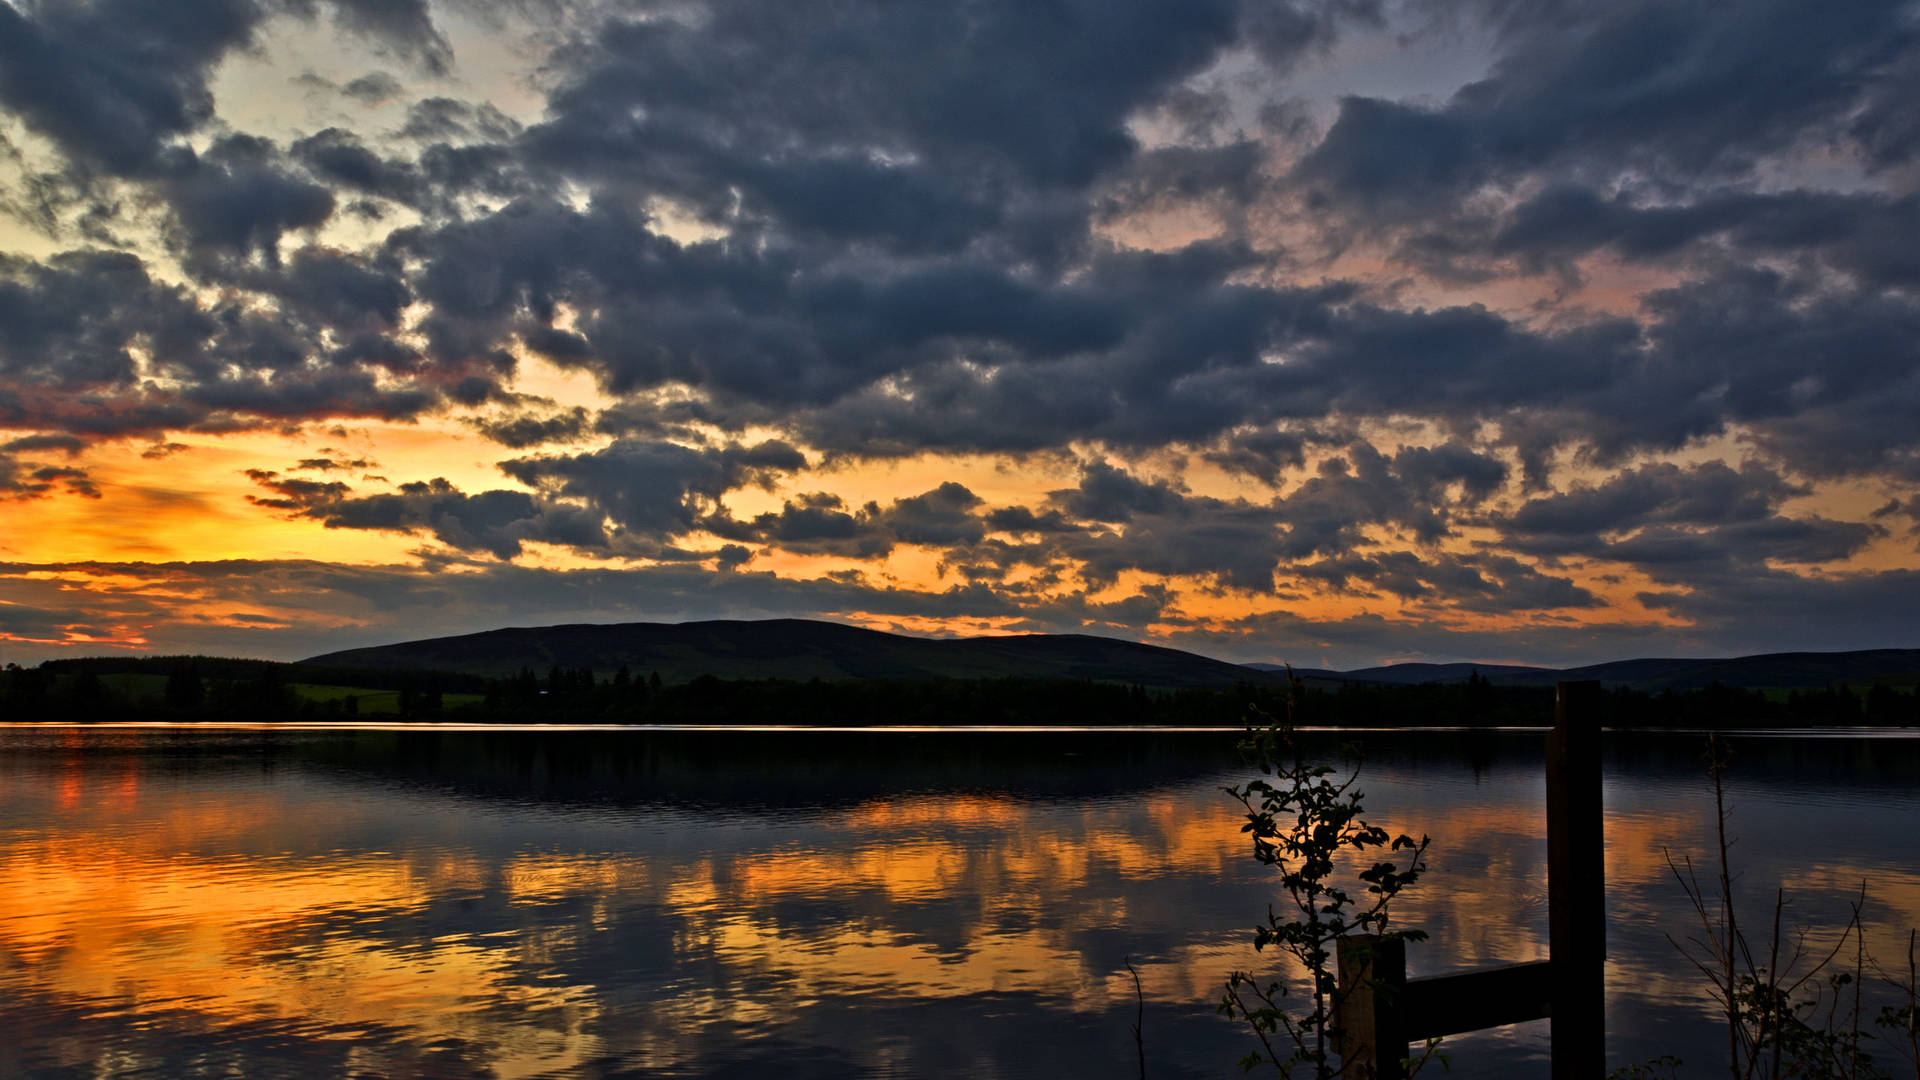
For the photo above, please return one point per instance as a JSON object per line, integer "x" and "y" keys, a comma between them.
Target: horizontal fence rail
{"x": 1380, "y": 1011}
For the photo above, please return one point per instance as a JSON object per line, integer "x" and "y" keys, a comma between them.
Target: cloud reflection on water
{"x": 523, "y": 905}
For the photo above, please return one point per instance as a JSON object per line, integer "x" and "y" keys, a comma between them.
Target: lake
{"x": 524, "y": 903}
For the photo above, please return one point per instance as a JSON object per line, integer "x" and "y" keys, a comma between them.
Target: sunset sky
{"x": 1334, "y": 333}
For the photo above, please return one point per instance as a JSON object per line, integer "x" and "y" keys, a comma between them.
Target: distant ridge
{"x": 795, "y": 649}
{"x": 1767, "y": 671}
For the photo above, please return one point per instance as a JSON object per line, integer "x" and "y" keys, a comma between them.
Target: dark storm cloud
{"x": 1855, "y": 233}
{"x": 1476, "y": 582}
{"x": 67, "y": 322}
{"x": 439, "y": 119}
{"x": 449, "y": 599}
{"x": 115, "y": 82}
{"x": 1114, "y": 521}
{"x": 112, "y": 82}
{"x": 1672, "y": 554}
{"x": 373, "y": 88}
{"x": 403, "y": 25}
{"x": 987, "y": 94}
{"x": 497, "y": 522}
{"x": 21, "y": 479}
{"x": 523, "y": 430}
{"x": 341, "y": 291}
{"x": 1673, "y": 522}
{"x": 880, "y": 290}
{"x": 655, "y": 489}
{"x": 1769, "y": 612}
{"x": 820, "y": 523}
{"x": 916, "y": 223}
{"x": 66, "y": 444}
{"x": 1020, "y": 519}
{"x": 1823, "y": 378}
{"x": 1263, "y": 455}
{"x": 1328, "y": 512}
{"x": 1668, "y": 90}
{"x": 325, "y": 464}
{"x": 237, "y": 200}
{"x": 1106, "y": 493}
{"x": 1772, "y": 611}
{"x": 338, "y": 156}
{"x": 70, "y": 327}
{"x": 1910, "y": 509}
{"x": 1710, "y": 494}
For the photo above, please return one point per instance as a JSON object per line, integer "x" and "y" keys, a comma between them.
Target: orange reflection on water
{"x": 548, "y": 937}
{"x": 162, "y": 918}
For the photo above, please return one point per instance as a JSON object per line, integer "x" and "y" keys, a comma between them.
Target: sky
{"x": 1329, "y": 333}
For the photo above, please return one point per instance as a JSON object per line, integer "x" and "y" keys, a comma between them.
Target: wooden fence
{"x": 1381, "y": 1011}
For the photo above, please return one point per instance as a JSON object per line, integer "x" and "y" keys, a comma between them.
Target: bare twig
{"x": 1139, "y": 1018}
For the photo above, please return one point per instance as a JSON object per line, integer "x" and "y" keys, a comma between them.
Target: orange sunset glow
{"x": 373, "y": 328}
{"x": 602, "y": 539}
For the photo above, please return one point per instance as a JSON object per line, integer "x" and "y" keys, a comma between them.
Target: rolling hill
{"x": 795, "y": 649}
{"x": 807, "y": 649}
{"x": 1768, "y": 671}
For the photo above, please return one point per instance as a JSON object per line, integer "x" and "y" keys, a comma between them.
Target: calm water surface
{"x": 600, "y": 904}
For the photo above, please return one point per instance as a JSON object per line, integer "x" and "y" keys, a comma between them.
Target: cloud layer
{"x": 1560, "y": 320}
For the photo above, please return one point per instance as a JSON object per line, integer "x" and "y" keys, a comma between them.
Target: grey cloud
{"x": 66, "y": 444}
{"x": 439, "y": 119}
{"x": 993, "y": 92}
{"x": 911, "y": 206}
{"x": 497, "y": 522}
{"x": 383, "y": 600}
{"x": 373, "y": 88}
{"x": 1662, "y": 89}
{"x": 1767, "y": 611}
{"x": 821, "y": 523}
{"x": 1160, "y": 529}
{"x": 1263, "y": 455}
{"x": 70, "y": 325}
{"x": 342, "y": 291}
{"x": 1855, "y": 233}
{"x": 404, "y": 25}
{"x": 1910, "y": 509}
{"x": 1709, "y": 494}
{"x": 69, "y": 321}
{"x": 1106, "y": 493}
{"x": 1020, "y": 519}
{"x": 940, "y": 517}
{"x": 1684, "y": 524}
{"x": 813, "y": 523}
{"x": 340, "y": 158}
{"x": 237, "y": 201}
{"x": 526, "y": 430}
{"x": 1473, "y": 582}
{"x": 30, "y": 480}
{"x": 655, "y": 489}
{"x": 112, "y": 82}
{"x": 1669, "y": 553}
{"x": 1327, "y": 513}
{"x": 115, "y": 82}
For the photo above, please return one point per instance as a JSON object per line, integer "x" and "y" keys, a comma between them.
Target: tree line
{"x": 209, "y": 688}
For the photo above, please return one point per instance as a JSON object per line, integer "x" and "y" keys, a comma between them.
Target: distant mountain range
{"x": 795, "y": 649}
{"x": 805, "y": 649}
{"x": 1774, "y": 671}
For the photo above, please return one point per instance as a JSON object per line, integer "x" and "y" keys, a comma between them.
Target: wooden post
{"x": 1576, "y": 884}
{"x": 1370, "y": 1015}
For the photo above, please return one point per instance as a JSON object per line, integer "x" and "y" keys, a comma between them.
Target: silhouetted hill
{"x": 1414, "y": 674}
{"x": 1771, "y": 671}
{"x": 795, "y": 649}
